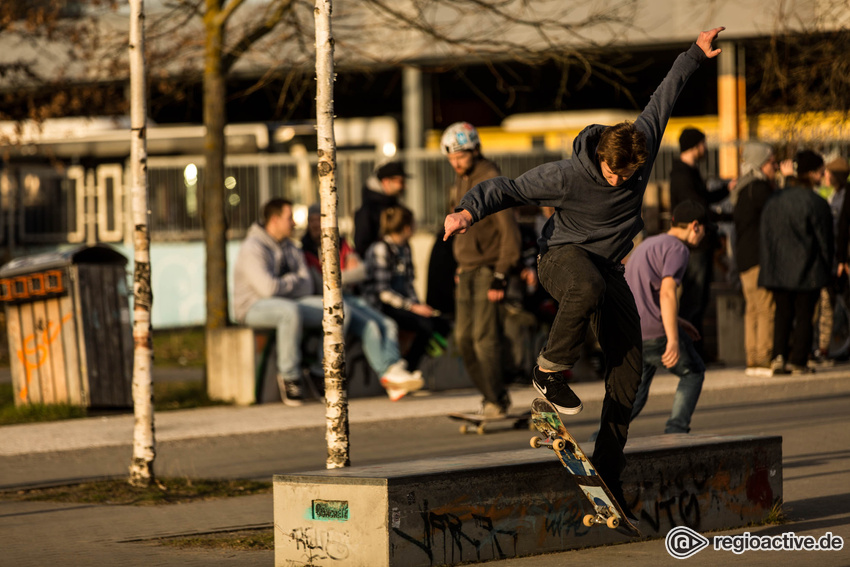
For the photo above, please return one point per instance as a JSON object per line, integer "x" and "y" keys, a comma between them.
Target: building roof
{"x": 367, "y": 35}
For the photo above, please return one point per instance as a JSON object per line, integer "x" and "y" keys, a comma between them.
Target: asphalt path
{"x": 810, "y": 415}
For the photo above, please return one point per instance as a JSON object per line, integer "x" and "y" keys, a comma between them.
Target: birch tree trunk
{"x": 336, "y": 388}
{"x": 144, "y": 444}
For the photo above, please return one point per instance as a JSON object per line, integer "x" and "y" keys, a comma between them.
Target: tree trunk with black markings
{"x": 144, "y": 443}
{"x": 336, "y": 387}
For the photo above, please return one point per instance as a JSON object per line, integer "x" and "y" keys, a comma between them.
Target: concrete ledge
{"x": 467, "y": 508}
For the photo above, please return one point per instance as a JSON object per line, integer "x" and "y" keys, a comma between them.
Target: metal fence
{"x": 251, "y": 180}
{"x": 47, "y": 204}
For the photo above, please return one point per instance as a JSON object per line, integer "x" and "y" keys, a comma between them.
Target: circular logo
{"x": 683, "y": 542}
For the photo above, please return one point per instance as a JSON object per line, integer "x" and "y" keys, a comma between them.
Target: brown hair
{"x": 275, "y": 207}
{"x": 395, "y": 219}
{"x": 622, "y": 147}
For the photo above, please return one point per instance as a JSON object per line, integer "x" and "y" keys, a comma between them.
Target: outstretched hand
{"x": 705, "y": 40}
{"x": 457, "y": 223}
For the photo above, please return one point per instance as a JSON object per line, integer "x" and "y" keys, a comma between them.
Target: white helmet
{"x": 458, "y": 137}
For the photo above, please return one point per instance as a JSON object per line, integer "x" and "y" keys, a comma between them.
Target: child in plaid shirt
{"x": 389, "y": 282}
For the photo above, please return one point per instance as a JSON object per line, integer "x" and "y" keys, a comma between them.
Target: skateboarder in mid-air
{"x": 597, "y": 196}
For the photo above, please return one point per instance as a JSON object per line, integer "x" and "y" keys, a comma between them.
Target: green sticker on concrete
{"x": 330, "y": 510}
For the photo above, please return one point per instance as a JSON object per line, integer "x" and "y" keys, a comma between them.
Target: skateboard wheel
{"x": 480, "y": 429}
{"x": 536, "y": 442}
{"x": 559, "y": 444}
{"x": 464, "y": 429}
{"x": 612, "y": 522}
{"x": 588, "y": 520}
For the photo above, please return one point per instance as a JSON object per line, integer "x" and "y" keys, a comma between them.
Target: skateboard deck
{"x": 477, "y": 423}
{"x": 606, "y": 510}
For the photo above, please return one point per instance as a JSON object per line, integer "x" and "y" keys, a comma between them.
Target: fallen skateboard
{"x": 606, "y": 510}
{"x": 481, "y": 425}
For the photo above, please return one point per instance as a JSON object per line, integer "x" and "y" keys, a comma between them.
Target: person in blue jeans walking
{"x": 654, "y": 273}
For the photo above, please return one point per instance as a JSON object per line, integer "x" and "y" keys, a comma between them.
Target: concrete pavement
{"x": 117, "y": 430}
{"x": 43, "y": 533}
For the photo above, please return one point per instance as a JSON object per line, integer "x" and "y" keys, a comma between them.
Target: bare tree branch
{"x": 252, "y": 36}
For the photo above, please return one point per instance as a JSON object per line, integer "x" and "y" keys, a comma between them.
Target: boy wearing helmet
{"x": 484, "y": 255}
{"x": 597, "y": 195}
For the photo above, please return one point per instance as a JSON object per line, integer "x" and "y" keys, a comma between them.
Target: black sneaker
{"x": 291, "y": 392}
{"x": 553, "y": 386}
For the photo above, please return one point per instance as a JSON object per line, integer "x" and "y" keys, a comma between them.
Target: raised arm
{"x": 653, "y": 120}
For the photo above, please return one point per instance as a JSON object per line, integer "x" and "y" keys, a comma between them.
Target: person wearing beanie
{"x": 689, "y": 139}
{"x": 654, "y": 272}
{"x": 796, "y": 248}
{"x": 755, "y": 186}
{"x": 382, "y": 190}
{"x": 686, "y": 183}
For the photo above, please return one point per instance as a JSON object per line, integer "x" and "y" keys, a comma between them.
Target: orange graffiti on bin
{"x": 35, "y": 354}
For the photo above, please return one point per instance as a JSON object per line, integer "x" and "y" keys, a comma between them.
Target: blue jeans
{"x": 291, "y": 317}
{"x": 691, "y": 372}
{"x": 378, "y": 333}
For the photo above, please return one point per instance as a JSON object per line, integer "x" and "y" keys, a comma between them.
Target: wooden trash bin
{"x": 68, "y": 325}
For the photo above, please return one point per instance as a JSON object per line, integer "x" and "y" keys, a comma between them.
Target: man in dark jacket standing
{"x": 755, "y": 186}
{"x": 380, "y": 192}
{"x": 796, "y": 248}
{"x": 687, "y": 184}
{"x": 597, "y": 196}
{"x": 484, "y": 255}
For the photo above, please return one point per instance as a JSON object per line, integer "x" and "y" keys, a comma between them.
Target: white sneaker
{"x": 759, "y": 371}
{"x": 398, "y": 382}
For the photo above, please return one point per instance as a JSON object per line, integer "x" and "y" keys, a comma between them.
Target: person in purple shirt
{"x": 654, "y": 271}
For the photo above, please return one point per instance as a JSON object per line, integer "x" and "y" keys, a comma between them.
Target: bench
{"x": 242, "y": 368}
{"x": 471, "y": 508}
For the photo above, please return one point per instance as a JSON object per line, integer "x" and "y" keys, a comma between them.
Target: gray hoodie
{"x": 268, "y": 268}
{"x": 589, "y": 212}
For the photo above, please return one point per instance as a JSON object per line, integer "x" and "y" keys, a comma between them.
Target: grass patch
{"x": 181, "y": 395}
{"x": 31, "y": 413}
{"x": 241, "y": 540}
{"x": 119, "y": 491}
{"x": 777, "y": 515}
{"x": 167, "y": 396}
{"x": 180, "y": 347}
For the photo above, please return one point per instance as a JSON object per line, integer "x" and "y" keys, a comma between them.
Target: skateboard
{"x": 480, "y": 424}
{"x": 545, "y": 418}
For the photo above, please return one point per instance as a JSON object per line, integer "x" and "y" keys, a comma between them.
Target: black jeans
{"x": 792, "y": 324}
{"x": 696, "y": 290}
{"x": 592, "y": 293}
